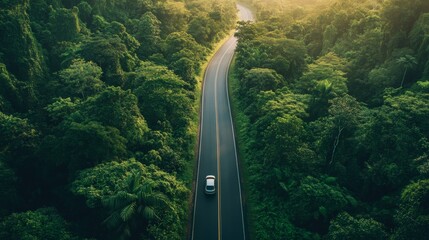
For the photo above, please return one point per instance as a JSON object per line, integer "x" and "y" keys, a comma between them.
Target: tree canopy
{"x": 105, "y": 89}
{"x": 332, "y": 100}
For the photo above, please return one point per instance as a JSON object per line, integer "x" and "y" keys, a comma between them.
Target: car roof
{"x": 210, "y": 180}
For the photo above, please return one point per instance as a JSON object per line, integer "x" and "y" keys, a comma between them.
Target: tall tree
{"x": 126, "y": 192}
{"x": 345, "y": 112}
{"x": 407, "y": 62}
{"x": 315, "y": 202}
{"x": 64, "y": 23}
{"x": 80, "y": 79}
{"x": 147, "y": 31}
{"x": 134, "y": 205}
{"x": 259, "y": 79}
{"x": 162, "y": 96}
{"x": 117, "y": 108}
{"x": 22, "y": 53}
{"x": 173, "y": 15}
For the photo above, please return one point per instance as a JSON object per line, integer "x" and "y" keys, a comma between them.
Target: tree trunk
{"x": 336, "y": 141}
{"x": 403, "y": 77}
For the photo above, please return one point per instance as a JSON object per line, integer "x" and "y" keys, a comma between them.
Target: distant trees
{"x": 211, "y": 18}
{"x": 199, "y": 31}
{"x": 419, "y": 43}
{"x": 285, "y": 56}
{"x": 403, "y": 18}
{"x": 173, "y": 15}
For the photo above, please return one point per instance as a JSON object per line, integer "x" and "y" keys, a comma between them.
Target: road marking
{"x": 235, "y": 148}
{"x": 218, "y": 139}
{"x": 199, "y": 152}
{"x": 217, "y": 151}
{"x": 201, "y": 137}
{"x": 217, "y": 142}
{"x": 199, "y": 148}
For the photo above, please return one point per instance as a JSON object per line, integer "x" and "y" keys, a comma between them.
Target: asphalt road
{"x": 219, "y": 216}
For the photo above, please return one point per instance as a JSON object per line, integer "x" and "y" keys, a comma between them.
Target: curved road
{"x": 219, "y": 216}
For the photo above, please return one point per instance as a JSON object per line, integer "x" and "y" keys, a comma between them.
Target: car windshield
{"x": 210, "y": 187}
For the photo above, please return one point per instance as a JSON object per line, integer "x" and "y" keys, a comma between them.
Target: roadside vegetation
{"x": 333, "y": 109}
{"x": 98, "y": 115}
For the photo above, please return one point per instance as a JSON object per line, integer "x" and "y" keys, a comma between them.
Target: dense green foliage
{"x": 44, "y": 223}
{"x": 336, "y": 103}
{"x": 98, "y": 114}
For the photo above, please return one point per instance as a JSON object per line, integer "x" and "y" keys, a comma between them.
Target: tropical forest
{"x": 332, "y": 101}
{"x": 99, "y": 115}
{"x": 100, "y": 107}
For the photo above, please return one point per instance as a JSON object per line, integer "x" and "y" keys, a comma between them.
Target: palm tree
{"x": 133, "y": 207}
{"x": 323, "y": 89}
{"x": 407, "y": 62}
{"x": 321, "y": 94}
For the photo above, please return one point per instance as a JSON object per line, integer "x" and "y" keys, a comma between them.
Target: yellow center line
{"x": 219, "y": 229}
{"x": 217, "y": 155}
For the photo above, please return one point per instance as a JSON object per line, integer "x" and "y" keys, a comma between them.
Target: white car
{"x": 210, "y": 184}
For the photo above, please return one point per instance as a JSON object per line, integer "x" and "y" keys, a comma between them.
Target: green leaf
{"x": 128, "y": 211}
